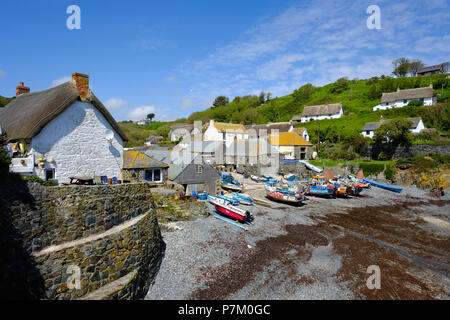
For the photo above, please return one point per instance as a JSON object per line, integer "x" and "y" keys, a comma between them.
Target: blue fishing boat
{"x": 242, "y": 199}
{"x": 325, "y": 190}
{"x": 383, "y": 186}
{"x": 232, "y": 201}
{"x": 229, "y": 183}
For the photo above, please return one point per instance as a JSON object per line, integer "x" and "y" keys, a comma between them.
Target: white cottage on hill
{"x": 401, "y": 98}
{"x": 320, "y": 112}
{"x": 370, "y": 127}
{"x": 62, "y": 132}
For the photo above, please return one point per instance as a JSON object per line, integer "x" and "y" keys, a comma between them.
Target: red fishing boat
{"x": 226, "y": 208}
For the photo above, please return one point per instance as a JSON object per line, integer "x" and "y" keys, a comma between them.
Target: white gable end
{"x": 75, "y": 144}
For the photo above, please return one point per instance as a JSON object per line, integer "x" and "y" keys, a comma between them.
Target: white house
{"x": 320, "y": 112}
{"x": 401, "y": 98}
{"x": 183, "y": 130}
{"x": 302, "y": 132}
{"x": 62, "y": 132}
{"x": 370, "y": 127}
{"x": 227, "y": 132}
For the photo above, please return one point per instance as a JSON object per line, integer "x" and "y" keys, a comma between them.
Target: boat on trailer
{"x": 225, "y": 208}
{"x": 232, "y": 201}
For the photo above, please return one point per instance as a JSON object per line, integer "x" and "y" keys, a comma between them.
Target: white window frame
{"x": 153, "y": 175}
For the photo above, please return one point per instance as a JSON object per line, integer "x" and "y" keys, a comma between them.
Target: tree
{"x": 414, "y": 66}
{"x": 401, "y": 67}
{"x": 150, "y": 116}
{"x": 395, "y": 132}
{"x": 303, "y": 94}
{"x": 360, "y": 144}
{"x": 221, "y": 101}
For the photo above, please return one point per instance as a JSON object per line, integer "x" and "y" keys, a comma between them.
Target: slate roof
{"x": 417, "y": 93}
{"x": 323, "y": 109}
{"x": 269, "y": 127}
{"x": 372, "y": 126}
{"x": 135, "y": 159}
{"x": 182, "y": 166}
{"x": 436, "y": 67}
{"x": 24, "y": 117}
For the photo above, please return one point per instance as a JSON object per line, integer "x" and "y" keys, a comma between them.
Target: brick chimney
{"x": 21, "y": 89}
{"x": 82, "y": 82}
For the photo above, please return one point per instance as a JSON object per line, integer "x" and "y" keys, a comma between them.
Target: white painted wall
{"x": 212, "y": 134}
{"x": 419, "y": 128}
{"x": 322, "y": 117}
{"x": 76, "y": 141}
{"x": 401, "y": 103}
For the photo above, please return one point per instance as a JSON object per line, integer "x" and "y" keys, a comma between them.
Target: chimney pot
{"x": 81, "y": 80}
{"x": 21, "y": 89}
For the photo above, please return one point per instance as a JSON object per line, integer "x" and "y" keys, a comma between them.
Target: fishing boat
{"x": 284, "y": 197}
{"x": 232, "y": 201}
{"x": 256, "y": 178}
{"x": 228, "y": 183}
{"x": 320, "y": 190}
{"x": 383, "y": 186}
{"x": 243, "y": 199}
{"x": 235, "y": 212}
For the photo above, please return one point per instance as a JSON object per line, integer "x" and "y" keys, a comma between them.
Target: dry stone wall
{"x": 76, "y": 241}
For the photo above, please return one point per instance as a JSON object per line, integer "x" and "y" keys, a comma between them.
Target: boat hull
{"x": 384, "y": 186}
{"x": 230, "y": 213}
{"x": 279, "y": 197}
{"x": 231, "y": 187}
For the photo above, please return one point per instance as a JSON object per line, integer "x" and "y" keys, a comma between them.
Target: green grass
{"x": 335, "y": 163}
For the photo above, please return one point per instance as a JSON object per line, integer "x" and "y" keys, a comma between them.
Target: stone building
{"x": 139, "y": 167}
{"x": 63, "y": 131}
{"x": 292, "y": 146}
{"x": 189, "y": 170}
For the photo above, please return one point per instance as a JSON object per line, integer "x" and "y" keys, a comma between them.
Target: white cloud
{"x": 61, "y": 80}
{"x": 115, "y": 103}
{"x": 140, "y": 113}
{"x": 2, "y": 74}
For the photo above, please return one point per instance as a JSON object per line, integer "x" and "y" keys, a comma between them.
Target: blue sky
{"x": 174, "y": 57}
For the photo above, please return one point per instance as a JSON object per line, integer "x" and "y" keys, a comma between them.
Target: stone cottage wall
{"x": 99, "y": 242}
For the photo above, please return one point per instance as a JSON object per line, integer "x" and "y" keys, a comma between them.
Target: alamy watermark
{"x": 374, "y": 20}
{"x": 374, "y": 281}
{"x": 74, "y": 20}
{"x": 73, "y": 281}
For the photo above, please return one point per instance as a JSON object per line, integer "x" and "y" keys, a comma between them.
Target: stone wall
{"x": 104, "y": 238}
{"x": 407, "y": 152}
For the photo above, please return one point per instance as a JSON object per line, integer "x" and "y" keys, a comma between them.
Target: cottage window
{"x": 367, "y": 132}
{"x": 199, "y": 168}
{"x": 153, "y": 175}
{"x": 405, "y": 101}
{"x": 49, "y": 174}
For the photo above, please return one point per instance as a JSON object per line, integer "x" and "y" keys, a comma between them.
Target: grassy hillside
{"x": 357, "y": 97}
{"x": 4, "y": 101}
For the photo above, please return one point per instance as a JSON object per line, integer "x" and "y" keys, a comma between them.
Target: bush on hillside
{"x": 415, "y": 103}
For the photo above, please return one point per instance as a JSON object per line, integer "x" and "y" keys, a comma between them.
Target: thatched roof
{"x": 24, "y": 117}
{"x": 408, "y": 94}
{"x": 323, "y": 109}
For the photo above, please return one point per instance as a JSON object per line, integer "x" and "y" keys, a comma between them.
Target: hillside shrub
{"x": 415, "y": 103}
{"x": 371, "y": 168}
